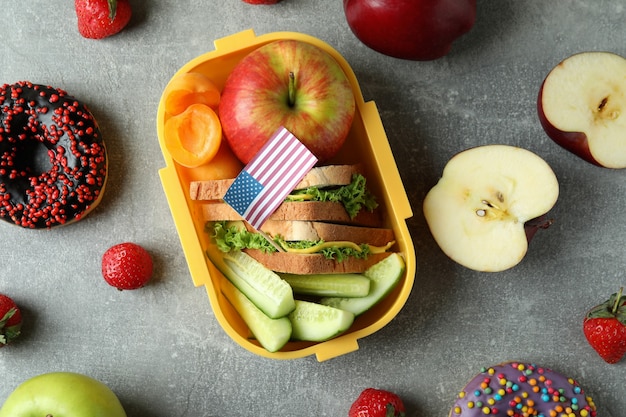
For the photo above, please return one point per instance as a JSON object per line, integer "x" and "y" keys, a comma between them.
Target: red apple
{"x": 418, "y": 30}
{"x": 488, "y": 205}
{"x": 582, "y": 106}
{"x": 287, "y": 83}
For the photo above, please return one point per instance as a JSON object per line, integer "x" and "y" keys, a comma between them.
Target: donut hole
{"x": 32, "y": 158}
{"x": 53, "y": 162}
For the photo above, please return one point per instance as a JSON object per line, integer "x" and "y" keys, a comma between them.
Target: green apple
{"x": 488, "y": 197}
{"x": 288, "y": 83}
{"x": 62, "y": 394}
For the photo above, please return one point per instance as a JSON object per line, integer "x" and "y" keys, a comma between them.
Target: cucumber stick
{"x": 384, "y": 276}
{"x": 272, "y": 334}
{"x": 331, "y": 285}
{"x": 317, "y": 323}
{"x": 270, "y": 293}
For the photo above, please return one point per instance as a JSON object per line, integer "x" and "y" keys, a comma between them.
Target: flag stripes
{"x": 278, "y": 167}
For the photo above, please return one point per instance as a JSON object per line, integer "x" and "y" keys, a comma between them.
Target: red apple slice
{"x": 478, "y": 210}
{"x": 582, "y": 104}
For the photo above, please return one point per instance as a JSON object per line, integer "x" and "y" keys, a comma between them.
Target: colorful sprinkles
{"x": 517, "y": 389}
{"x": 53, "y": 162}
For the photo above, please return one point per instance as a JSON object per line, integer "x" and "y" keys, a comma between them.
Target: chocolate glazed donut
{"x": 53, "y": 161}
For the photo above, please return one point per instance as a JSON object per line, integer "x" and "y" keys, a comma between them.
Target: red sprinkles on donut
{"x": 53, "y": 161}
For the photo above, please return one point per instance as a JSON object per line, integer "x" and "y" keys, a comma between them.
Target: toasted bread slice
{"x": 305, "y": 264}
{"x": 326, "y": 211}
{"x": 323, "y": 176}
{"x": 314, "y": 231}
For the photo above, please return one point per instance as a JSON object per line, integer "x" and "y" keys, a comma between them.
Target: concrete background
{"x": 161, "y": 349}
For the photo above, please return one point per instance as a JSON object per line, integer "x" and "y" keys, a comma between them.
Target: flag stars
{"x": 243, "y": 192}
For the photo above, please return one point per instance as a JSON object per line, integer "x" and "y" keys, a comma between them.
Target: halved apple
{"x": 582, "y": 107}
{"x": 479, "y": 210}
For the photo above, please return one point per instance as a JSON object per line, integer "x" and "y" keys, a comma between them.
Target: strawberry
{"x": 605, "y": 328}
{"x": 10, "y": 320}
{"x": 261, "y": 1}
{"x": 126, "y": 266}
{"x": 373, "y": 402}
{"x": 98, "y": 19}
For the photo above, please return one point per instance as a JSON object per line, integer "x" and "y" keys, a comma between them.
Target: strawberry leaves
{"x": 614, "y": 307}
{"x": 8, "y": 333}
{"x": 605, "y": 328}
{"x": 10, "y": 320}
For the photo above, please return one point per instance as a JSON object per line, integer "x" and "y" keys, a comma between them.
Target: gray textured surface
{"x": 161, "y": 349}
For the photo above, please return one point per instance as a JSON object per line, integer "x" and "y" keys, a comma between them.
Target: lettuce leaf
{"x": 233, "y": 237}
{"x": 353, "y": 196}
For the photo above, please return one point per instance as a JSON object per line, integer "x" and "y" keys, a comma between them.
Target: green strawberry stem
{"x": 7, "y": 317}
{"x": 391, "y": 411}
{"x": 112, "y": 9}
{"x": 617, "y": 302}
{"x": 619, "y": 307}
{"x": 614, "y": 307}
{"x": 7, "y": 334}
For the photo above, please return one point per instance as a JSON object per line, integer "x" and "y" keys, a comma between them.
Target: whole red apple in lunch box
{"x": 288, "y": 83}
{"x": 418, "y": 30}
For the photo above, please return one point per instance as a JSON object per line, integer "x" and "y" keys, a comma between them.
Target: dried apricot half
{"x": 193, "y": 137}
{"x": 190, "y": 88}
{"x": 223, "y": 165}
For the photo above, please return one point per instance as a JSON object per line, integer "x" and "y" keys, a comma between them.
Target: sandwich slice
{"x": 321, "y": 177}
{"x": 329, "y": 224}
{"x": 332, "y": 193}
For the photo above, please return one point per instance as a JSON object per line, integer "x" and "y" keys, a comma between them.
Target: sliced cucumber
{"x": 272, "y": 334}
{"x": 330, "y": 285}
{"x": 315, "y": 322}
{"x": 263, "y": 287}
{"x": 384, "y": 276}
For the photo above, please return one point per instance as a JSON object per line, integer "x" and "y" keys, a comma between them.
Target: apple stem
{"x": 292, "y": 89}
{"x": 540, "y": 222}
